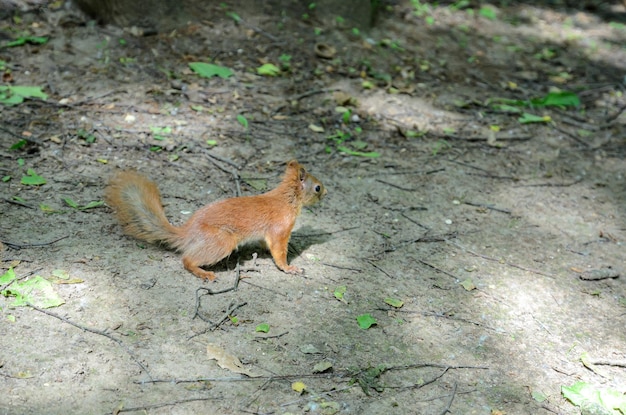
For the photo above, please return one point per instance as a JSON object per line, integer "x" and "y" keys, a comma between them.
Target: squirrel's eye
{"x": 318, "y": 188}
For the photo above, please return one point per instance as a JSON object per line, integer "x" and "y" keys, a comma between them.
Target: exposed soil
{"x": 483, "y": 233}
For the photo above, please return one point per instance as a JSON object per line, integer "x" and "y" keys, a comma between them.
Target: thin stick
{"x": 15, "y": 202}
{"x": 342, "y": 268}
{"x": 441, "y": 315}
{"x": 309, "y": 235}
{"x": 608, "y": 362}
{"x": 18, "y": 136}
{"x": 223, "y": 160}
{"x": 608, "y": 121}
{"x": 22, "y": 246}
{"x": 94, "y": 331}
{"x": 438, "y": 269}
{"x": 259, "y": 31}
{"x": 264, "y": 288}
{"x": 551, "y": 184}
{"x": 379, "y": 268}
{"x": 488, "y": 258}
{"x": 491, "y": 207}
{"x": 340, "y": 374}
{"x": 160, "y": 405}
{"x": 302, "y": 96}
{"x": 404, "y": 215}
{"x": 411, "y": 172}
{"x": 274, "y": 336}
{"x": 406, "y": 189}
{"x": 447, "y": 408}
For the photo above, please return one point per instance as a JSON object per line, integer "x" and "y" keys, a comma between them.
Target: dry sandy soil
{"x": 487, "y": 229}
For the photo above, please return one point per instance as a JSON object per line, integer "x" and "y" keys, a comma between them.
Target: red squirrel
{"x": 216, "y": 229}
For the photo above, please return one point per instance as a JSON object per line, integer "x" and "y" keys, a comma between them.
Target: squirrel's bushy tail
{"x": 137, "y": 204}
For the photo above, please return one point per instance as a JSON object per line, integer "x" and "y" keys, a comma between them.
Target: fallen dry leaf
{"x": 226, "y": 360}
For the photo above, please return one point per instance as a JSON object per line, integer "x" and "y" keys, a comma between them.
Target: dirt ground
{"x": 487, "y": 229}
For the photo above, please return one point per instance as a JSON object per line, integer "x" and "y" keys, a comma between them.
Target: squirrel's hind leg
{"x": 194, "y": 267}
{"x": 209, "y": 247}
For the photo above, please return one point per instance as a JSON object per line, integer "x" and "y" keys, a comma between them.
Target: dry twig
{"x": 13, "y": 245}
{"x": 447, "y": 408}
{"x": 160, "y": 405}
{"x": 94, "y": 331}
{"x": 488, "y": 258}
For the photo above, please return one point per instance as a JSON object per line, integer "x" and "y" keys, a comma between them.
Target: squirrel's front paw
{"x": 292, "y": 269}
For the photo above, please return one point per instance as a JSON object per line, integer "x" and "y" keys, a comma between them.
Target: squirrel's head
{"x": 312, "y": 189}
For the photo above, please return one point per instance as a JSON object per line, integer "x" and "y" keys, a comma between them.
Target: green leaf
{"x": 345, "y": 117}
{"x": 394, "y": 302}
{"x": 70, "y": 202}
{"x": 468, "y": 284}
{"x": 506, "y": 108}
{"x": 28, "y": 91}
{"x": 257, "y": 184}
{"x": 161, "y": 130}
{"x": 263, "y": 328}
{"x": 10, "y": 99}
{"x": 18, "y": 145}
{"x": 36, "y": 290}
{"x": 365, "y": 321}
{"x": 13, "y": 95}
{"x": 553, "y": 99}
{"x": 346, "y": 150}
{"x": 557, "y": 99}
{"x": 487, "y": 12}
{"x": 323, "y": 366}
{"x": 86, "y": 135}
{"x": 528, "y": 118}
{"x": 25, "y": 39}
{"x": 32, "y": 179}
{"x": 339, "y": 292}
{"x": 7, "y": 277}
{"x": 268, "y": 69}
{"x": 91, "y": 205}
{"x": 243, "y": 121}
{"x": 585, "y": 395}
{"x": 47, "y": 209}
{"x": 539, "y": 396}
{"x": 208, "y": 70}
{"x": 61, "y": 274}
{"x": 359, "y": 145}
{"x": 211, "y": 143}
{"x": 414, "y": 134}
{"x": 234, "y": 16}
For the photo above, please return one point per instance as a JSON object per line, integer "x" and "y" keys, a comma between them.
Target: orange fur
{"x": 215, "y": 230}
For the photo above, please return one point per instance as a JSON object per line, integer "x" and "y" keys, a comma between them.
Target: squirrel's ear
{"x": 293, "y": 164}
